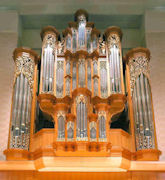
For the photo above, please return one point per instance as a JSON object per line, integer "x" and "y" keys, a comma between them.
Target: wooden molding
{"x": 79, "y": 13}
{"x": 113, "y": 29}
{"x": 49, "y": 29}
{"x": 136, "y": 52}
{"x": 17, "y": 154}
{"x": 66, "y": 32}
{"x": 18, "y": 52}
{"x": 147, "y": 155}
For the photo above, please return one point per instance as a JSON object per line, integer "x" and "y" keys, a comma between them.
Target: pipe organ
{"x": 81, "y": 86}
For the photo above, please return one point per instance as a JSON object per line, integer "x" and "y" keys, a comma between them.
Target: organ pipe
{"x": 61, "y": 126}
{"x": 81, "y": 112}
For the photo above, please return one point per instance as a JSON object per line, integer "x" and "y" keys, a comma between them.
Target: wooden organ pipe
{"x": 22, "y": 98}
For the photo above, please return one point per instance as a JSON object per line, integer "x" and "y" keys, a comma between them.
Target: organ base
{"x": 17, "y": 154}
{"x": 120, "y": 145}
{"x": 147, "y": 155}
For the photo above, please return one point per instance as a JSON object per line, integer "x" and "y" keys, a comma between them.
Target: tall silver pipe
{"x": 15, "y": 108}
{"x": 24, "y": 104}
{"x": 52, "y": 75}
{"x": 113, "y": 74}
{"x": 144, "y": 102}
{"x": 139, "y": 105}
{"x": 148, "y": 101}
{"x": 118, "y": 66}
{"x": 14, "y": 102}
{"x": 89, "y": 75}
{"x": 59, "y": 127}
{"x": 29, "y": 110}
{"x": 110, "y": 71}
{"x": 136, "y": 111}
{"x": 136, "y": 118}
{"x": 19, "y": 104}
{"x": 85, "y": 120}
{"x": 43, "y": 68}
{"x": 27, "y": 105}
{"x": 46, "y": 69}
{"x": 74, "y": 76}
{"x": 149, "y": 106}
{"x": 50, "y": 69}
{"x": 81, "y": 118}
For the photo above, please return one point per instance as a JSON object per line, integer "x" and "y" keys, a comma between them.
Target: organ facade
{"x": 87, "y": 92}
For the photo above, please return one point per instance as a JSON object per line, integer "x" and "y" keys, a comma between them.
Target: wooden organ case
{"x": 82, "y": 87}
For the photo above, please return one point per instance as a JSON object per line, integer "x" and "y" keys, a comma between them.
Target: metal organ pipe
{"x": 115, "y": 74}
{"x": 138, "y": 90}
{"x": 150, "y": 114}
{"x": 119, "y": 69}
{"x": 143, "y": 96}
{"x": 18, "y": 120}
{"x": 15, "y": 104}
{"x": 111, "y": 73}
{"x": 24, "y": 104}
{"x": 81, "y": 120}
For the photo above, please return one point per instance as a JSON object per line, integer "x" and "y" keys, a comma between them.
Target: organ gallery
{"x": 82, "y": 99}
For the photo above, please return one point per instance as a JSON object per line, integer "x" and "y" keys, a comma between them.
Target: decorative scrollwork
{"x": 137, "y": 66}
{"x": 81, "y": 98}
{"x": 49, "y": 39}
{"x": 61, "y": 113}
{"x": 92, "y": 125}
{"x": 113, "y": 39}
{"x": 102, "y": 47}
{"x": 60, "y": 47}
{"x": 101, "y": 113}
{"x": 82, "y": 18}
{"x": 24, "y": 64}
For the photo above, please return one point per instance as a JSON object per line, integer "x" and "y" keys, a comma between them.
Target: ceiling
{"x": 127, "y": 14}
